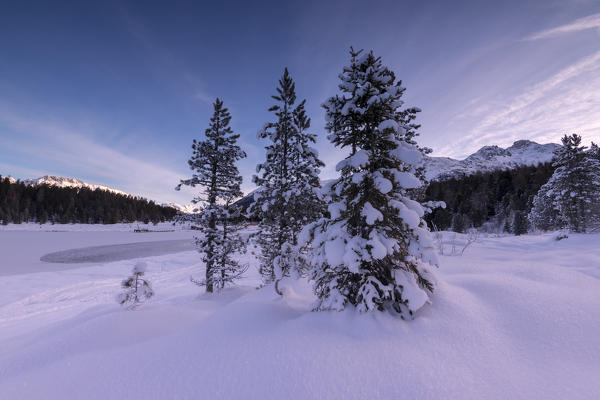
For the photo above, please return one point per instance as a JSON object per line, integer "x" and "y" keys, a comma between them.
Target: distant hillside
{"x": 496, "y": 201}
{"x": 74, "y": 203}
{"x": 60, "y": 181}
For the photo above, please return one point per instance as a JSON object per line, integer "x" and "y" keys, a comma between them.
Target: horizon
{"x": 245, "y": 193}
{"x": 114, "y": 93}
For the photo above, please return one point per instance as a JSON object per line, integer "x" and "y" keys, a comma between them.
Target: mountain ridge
{"x": 64, "y": 182}
{"x": 490, "y": 158}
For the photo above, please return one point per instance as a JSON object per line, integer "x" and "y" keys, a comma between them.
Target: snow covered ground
{"x": 514, "y": 317}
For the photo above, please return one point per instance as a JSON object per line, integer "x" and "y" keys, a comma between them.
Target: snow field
{"x": 514, "y": 317}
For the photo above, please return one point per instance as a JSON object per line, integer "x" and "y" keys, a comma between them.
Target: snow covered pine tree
{"x": 374, "y": 251}
{"x": 137, "y": 289}
{"x": 286, "y": 199}
{"x": 571, "y": 197}
{"x": 213, "y": 163}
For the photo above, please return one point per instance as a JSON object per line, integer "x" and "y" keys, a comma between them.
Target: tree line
{"x": 497, "y": 201}
{"x": 45, "y": 203}
{"x": 562, "y": 194}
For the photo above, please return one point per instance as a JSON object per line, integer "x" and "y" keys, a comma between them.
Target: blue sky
{"x": 114, "y": 92}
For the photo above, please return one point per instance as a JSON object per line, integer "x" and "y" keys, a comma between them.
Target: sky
{"x": 114, "y": 92}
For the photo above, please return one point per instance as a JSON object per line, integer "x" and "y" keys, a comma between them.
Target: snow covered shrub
{"x": 213, "y": 162}
{"x": 374, "y": 250}
{"x": 286, "y": 199}
{"x": 571, "y": 197}
{"x": 136, "y": 289}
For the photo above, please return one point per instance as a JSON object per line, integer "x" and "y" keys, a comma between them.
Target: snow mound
{"x": 514, "y": 317}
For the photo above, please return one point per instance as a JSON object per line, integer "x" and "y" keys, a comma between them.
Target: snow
{"x": 407, "y": 180}
{"x": 356, "y": 161}
{"x": 371, "y": 214}
{"x": 383, "y": 185}
{"x": 514, "y": 317}
{"x": 335, "y": 209}
{"x": 410, "y": 217}
{"x": 407, "y": 153}
{"x": 378, "y": 250}
{"x": 388, "y": 124}
{"x": 334, "y": 251}
{"x": 140, "y": 267}
{"x": 416, "y": 296}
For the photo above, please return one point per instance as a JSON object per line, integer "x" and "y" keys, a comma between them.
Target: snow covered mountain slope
{"x": 490, "y": 158}
{"x": 187, "y": 209}
{"x": 68, "y": 182}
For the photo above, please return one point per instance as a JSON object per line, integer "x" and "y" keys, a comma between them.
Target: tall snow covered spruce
{"x": 288, "y": 180}
{"x": 374, "y": 251}
{"x": 571, "y": 197}
{"x": 214, "y": 169}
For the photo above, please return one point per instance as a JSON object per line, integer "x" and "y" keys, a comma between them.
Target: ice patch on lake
{"x": 118, "y": 252}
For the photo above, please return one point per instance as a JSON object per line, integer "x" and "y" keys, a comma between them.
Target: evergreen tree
{"x": 374, "y": 251}
{"x": 213, "y": 165}
{"x": 136, "y": 289}
{"x": 520, "y": 223}
{"x": 571, "y": 197}
{"x": 286, "y": 199}
{"x": 595, "y": 151}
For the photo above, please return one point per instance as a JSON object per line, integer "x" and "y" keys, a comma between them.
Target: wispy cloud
{"x": 568, "y": 101}
{"x": 168, "y": 67}
{"x": 63, "y": 147}
{"x": 589, "y": 22}
{"x": 204, "y": 97}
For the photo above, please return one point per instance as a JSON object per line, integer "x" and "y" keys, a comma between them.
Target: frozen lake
{"x": 29, "y": 248}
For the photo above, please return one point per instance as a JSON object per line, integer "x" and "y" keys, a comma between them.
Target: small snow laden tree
{"x": 136, "y": 289}
{"x": 288, "y": 180}
{"x": 213, "y": 163}
{"x": 374, "y": 251}
{"x": 571, "y": 197}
